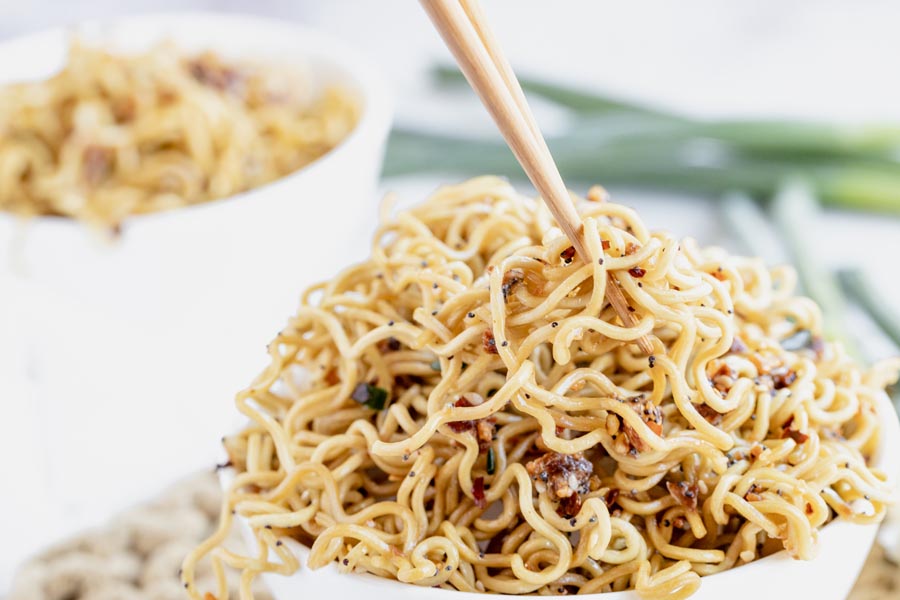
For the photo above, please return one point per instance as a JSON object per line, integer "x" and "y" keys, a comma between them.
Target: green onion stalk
{"x": 616, "y": 142}
{"x": 794, "y": 211}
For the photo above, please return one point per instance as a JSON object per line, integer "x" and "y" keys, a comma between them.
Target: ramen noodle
{"x": 464, "y": 410}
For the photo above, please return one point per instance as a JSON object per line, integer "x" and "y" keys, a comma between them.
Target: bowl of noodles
{"x": 463, "y": 413}
{"x": 159, "y": 177}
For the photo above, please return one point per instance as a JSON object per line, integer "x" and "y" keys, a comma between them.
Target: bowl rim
{"x": 374, "y": 120}
{"x": 886, "y": 459}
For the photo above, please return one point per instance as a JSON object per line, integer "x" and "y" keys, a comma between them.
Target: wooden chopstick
{"x": 464, "y": 29}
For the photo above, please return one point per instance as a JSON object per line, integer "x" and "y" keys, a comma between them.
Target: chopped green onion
{"x": 491, "y": 461}
{"x": 371, "y": 396}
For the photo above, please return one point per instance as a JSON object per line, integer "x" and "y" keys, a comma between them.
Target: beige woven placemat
{"x": 137, "y": 556}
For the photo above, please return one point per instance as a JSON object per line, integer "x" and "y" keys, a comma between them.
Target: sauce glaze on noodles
{"x": 526, "y": 446}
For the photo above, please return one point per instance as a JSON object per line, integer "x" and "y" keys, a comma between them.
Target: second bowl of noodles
{"x": 161, "y": 179}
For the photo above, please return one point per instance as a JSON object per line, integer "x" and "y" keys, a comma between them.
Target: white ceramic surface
{"x": 118, "y": 361}
{"x": 841, "y": 550}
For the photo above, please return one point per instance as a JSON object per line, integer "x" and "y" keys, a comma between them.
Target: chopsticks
{"x": 464, "y": 28}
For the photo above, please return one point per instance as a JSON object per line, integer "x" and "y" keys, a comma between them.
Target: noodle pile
{"x": 114, "y": 135}
{"x": 463, "y": 410}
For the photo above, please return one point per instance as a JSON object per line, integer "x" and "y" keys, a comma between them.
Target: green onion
{"x": 576, "y": 100}
{"x": 859, "y": 287}
{"x": 618, "y": 142}
{"x": 369, "y": 395}
{"x": 692, "y": 165}
{"x": 794, "y": 211}
{"x": 750, "y": 227}
{"x": 491, "y": 461}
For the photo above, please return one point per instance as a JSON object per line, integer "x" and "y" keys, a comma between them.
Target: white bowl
{"x": 118, "y": 361}
{"x": 841, "y": 550}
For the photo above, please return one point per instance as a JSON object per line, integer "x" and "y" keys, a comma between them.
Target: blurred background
{"x": 771, "y": 127}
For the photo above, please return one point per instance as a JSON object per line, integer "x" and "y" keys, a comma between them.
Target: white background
{"x": 816, "y": 59}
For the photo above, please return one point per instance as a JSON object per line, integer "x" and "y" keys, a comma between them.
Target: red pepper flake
{"x": 488, "y": 342}
{"x": 809, "y": 508}
{"x": 605, "y": 244}
{"x": 478, "y": 492}
{"x": 483, "y": 428}
{"x": 568, "y": 254}
{"x": 782, "y": 377}
{"x": 569, "y": 506}
{"x": 611, "y": 496}
{"x": 461, "y": 426}
{"x": 685, "y": 493}
{"x": 332, "y": 377}
{"x": 794, "y": 435}
{"x": 637, "y": 272}
{"x": 709, "y": 413}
